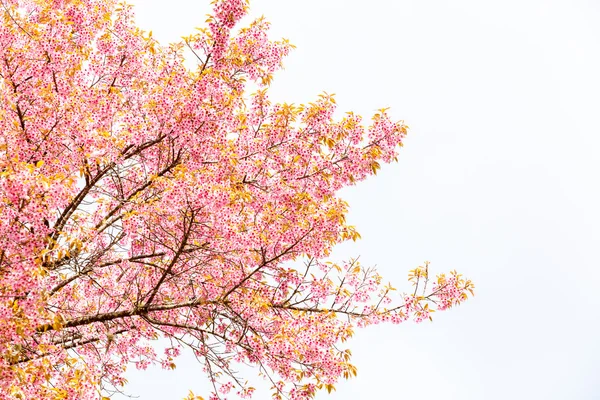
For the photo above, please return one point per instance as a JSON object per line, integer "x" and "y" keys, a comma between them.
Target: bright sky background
{"x": 498, "y": 179}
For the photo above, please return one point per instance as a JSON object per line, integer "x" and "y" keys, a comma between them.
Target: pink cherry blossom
{"x": 140, "y": 199}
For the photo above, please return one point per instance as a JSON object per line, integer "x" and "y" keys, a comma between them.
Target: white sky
{"x": 498, "y": 179}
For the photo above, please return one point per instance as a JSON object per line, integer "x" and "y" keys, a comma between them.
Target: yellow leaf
{"x": 192, "y": 396}
{"x": 375, "y": 166}
{"x": 57, "y": 322}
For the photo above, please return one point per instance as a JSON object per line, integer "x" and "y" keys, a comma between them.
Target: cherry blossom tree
{"x": 141, "y": 199}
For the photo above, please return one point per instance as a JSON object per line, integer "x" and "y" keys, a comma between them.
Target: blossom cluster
{"x": 140, "y": 199}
